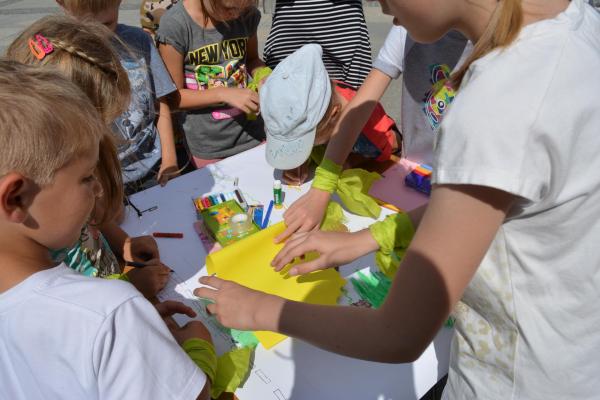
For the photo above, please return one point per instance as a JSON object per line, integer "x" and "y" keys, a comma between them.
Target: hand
{"x": 334, "y": 248}
{"x": 167, "y": 171}
{"x": 305, "y": 214}
{"x": 244, "y": 99}
{"x": 191, "y": 330}
{"x": 140, "y": 249}
{"x": 238, "y": 307}
{"x": 151, "y": 279}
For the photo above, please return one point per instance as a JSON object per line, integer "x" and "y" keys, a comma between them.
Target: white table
{"x": 293, "y": 369}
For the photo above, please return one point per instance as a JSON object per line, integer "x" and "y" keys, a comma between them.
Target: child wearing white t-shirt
{"x": 510, "y": 233}
{"x": 64, "y": 335}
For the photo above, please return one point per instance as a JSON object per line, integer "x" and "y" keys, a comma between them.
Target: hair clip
{"x": 40, "y": 47}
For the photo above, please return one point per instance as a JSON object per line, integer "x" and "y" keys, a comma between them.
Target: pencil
{"x": 173, "y": 235}
{"x": 387, "y": 205}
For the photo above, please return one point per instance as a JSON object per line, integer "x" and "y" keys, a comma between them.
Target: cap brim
{"x": 291, "y": 154}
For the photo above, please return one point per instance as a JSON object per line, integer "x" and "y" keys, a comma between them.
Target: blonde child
{"x": 210, "y": 48}
{"x": 511, "y": 227}
{"x": 83, "y": 53}
{"x": 301, "y": 106}
{"x": 426, "y": 95}
{"x": 146, "y": 138}
{"x": 64, "y": 335}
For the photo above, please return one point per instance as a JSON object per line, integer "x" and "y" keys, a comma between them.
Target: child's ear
{"x": 16, "y": 195}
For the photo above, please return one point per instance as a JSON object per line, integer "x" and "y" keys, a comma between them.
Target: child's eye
{"x": 89, "y": 179}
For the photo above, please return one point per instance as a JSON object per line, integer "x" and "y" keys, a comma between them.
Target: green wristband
{"x": 121, "y": 277}
{"x": 393, "y": 235}
{"x": 203, "y": 355}
{"x": 326, "y": 176}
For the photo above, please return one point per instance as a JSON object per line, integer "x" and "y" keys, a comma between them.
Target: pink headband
{"x": 40, "y": 46}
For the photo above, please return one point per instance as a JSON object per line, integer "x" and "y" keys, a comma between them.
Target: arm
{"x": 164, "y": 124}
{"x": 307, "y": 212}
{"x": 253, "y": 61}
{"x": 141, "y": 248}
{"x": 355, "y": 115}
{"x": 434, "y": 273}
{"x": 187, "y": 99}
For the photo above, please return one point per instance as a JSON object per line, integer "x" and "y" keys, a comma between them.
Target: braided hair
{"x": 83, "y": 52}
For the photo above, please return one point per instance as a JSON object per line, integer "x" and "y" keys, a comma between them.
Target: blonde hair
{"x": 87, "y": 7}
{"x": 503, "y": 28}
{"x": 83, "y": 53}
{"x": 45, "y": 122}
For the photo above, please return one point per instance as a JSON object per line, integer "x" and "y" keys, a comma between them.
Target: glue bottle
{"x": 277, "y": 194}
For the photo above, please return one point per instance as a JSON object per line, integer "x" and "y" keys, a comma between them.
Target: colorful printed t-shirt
{"x": 426, "y": 92}
{"x": 139, "y": 145}
{"x": 214, "y": 58}
{"x": 377, "y": 137}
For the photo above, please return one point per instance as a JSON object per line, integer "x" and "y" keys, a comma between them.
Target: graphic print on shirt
{"x": 440, "y": 96}
{"x": 209, "y": 74}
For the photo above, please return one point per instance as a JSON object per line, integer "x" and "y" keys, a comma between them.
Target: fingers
{"x": 212, "y": 281}
{"x": 308, "y": 267}
{"x": 295, "y": 248}
{"x": 170, "y": 307}
{"x": 289, "y": 230}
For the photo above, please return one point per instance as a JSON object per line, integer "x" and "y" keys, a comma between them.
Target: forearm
{"x": 355, "y": 115}
{"x": 164, "y": 125}
{"x": 193, "y": 99}
{"x": 255, "y": 64}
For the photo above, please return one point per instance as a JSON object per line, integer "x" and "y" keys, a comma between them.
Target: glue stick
{"x": 277, "y": 194}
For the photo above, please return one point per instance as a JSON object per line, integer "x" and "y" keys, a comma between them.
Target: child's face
{"x": 228, "y": 10}
{"x": 59, "y": 210}
{"x": 425, "y": 20}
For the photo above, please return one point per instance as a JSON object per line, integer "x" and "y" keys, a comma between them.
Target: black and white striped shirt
{"x": 337, "y": 25}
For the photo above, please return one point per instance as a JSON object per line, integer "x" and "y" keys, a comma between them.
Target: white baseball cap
{"x": 293, "y": 100}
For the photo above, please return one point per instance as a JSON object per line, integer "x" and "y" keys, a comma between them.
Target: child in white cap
{"x": 301, "y": 105}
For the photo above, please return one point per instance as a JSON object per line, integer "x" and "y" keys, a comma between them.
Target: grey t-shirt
{"x": 426, "y": 93}
{"x": 214, "y": 58}
{"x": 139, "y": 148}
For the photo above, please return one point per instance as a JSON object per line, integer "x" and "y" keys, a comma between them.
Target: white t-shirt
{"x": 526, "y": 121}
{"x": 425, "y": 95}
{"x": 68, "y": 336}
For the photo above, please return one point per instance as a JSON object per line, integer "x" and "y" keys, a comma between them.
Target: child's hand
{"x": 167, "y": 172}
{"x": 244, "y": 99}
{"x": 191, "y": 330}
{"x": 140, "y": 249}
{"x": 238, "y": 307}
{"x": 305, "y": 214}
{"x": 334, "y": 248}
{"x": 151, "y": 279}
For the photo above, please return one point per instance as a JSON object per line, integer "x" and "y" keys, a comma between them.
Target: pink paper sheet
{"x": 391, "y": 188}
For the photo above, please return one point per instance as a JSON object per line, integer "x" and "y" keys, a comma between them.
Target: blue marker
{"x": 266, "y": 220}
{"x": 258, "y": 215}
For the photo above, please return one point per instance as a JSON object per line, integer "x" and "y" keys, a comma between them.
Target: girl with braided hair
{"x": 84, "y": 54}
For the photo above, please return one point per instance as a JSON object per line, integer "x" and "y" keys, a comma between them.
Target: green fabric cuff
{"x": 393, "y": 235}
{"x": 326, "y": 176}
{"x": 203, "y": 355}
{"x": 353, "y": 189}
{"x": 121, "y": 277}
{"x": 259, "y": 74}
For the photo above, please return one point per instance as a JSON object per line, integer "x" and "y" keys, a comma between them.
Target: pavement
{"x": 16, "y": 15}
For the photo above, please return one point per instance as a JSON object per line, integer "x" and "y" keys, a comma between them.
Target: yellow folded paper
{"x": 248, "y": 262}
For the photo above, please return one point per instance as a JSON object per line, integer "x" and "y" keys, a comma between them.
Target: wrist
{"x": 365, "y": 242}
{"x": 268, "y": 312}
{"x": 327, "y": 175}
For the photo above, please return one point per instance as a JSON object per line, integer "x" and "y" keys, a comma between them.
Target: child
{"x": 511, "y": 227}
{"x": 64, "y": 335}
{"x": 83, "y": 53}
{"x": 209, "y": 48}
{"x": 339, "y": 27}
{"x": 147, "y": 138}
{"x": 426, "y": 95}
{"x": 300, "y": 104}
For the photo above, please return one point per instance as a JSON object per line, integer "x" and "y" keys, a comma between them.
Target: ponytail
{"x": 503, "y": 28}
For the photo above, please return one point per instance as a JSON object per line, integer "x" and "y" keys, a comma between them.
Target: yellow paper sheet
{"x": 248, "y": 262}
